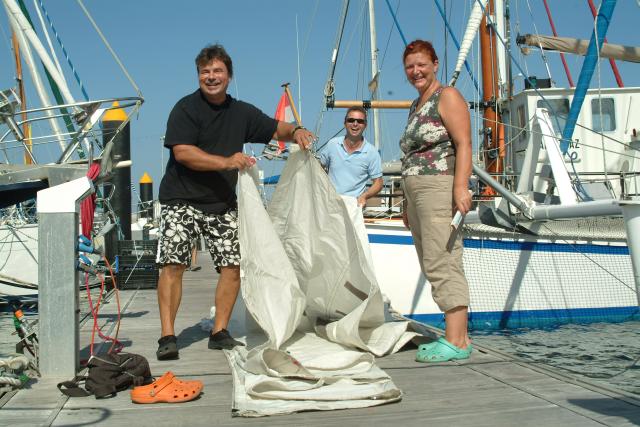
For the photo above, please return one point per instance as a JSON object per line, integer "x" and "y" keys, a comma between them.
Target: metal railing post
{"x": 58, "y": 231}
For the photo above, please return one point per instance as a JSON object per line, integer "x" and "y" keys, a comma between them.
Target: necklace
{"x": 351, "y": 146}
{"x": 426, "y": 96}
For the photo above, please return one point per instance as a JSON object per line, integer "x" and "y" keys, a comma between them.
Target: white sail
{"x": 470, "y": 33}
{"x": 306, "y": 282}
{"x": 579, "y": 47}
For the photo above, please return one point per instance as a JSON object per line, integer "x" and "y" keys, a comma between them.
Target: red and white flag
{"x": 284, "y": 113}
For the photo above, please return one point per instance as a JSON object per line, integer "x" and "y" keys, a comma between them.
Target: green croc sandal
{"x": 442, "y": 351}
{"x": 424, "y": 348}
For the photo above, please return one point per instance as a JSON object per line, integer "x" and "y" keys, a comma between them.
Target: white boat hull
{"x": 528, "y": 282}
{"x": 18, "y": 259}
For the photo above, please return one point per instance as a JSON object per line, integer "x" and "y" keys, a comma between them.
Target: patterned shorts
{"x": 181, "y": 224}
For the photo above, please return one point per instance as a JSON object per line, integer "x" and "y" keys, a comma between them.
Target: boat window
{"x": 605, "y": 120}
{"x": 558, "y": 111}
{"x": 522, "y": 123}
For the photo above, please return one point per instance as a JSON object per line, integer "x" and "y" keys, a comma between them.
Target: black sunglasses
{"x": 352, "y": 120}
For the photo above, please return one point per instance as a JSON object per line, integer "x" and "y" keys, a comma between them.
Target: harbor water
{"x": 605, "y": 353}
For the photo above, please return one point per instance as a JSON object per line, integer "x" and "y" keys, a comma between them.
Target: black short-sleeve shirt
{"x": 217, "y": 129}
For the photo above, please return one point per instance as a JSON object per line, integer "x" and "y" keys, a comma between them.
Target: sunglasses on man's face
{"x": 354, "y": 120}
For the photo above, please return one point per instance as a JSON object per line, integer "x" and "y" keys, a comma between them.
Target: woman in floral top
{"x": 435, "y": 168}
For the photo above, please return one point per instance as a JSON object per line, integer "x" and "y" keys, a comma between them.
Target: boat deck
{"x": 490, "y": 389}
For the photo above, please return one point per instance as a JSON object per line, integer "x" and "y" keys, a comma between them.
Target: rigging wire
{"x": 395, "y": 20}
{"x": 555, "y": 33}
{"x": 455, "y": 41}
{"x": 64, "y": 51}
{"x": 306, "y": 40}
{"x": 599, "y": 74}
{"x": 329, "y": 89}
{"x": 108, "y": 46}
{"x": 612, "y": 62}
{"x": 7, "y": 40}
{"x": 579, "y": 190}
{"x": 404, "y": 40}
{"x": 520, "y": 51}
{"x": 444, "y": 71}
{"x": 535, "y": 29}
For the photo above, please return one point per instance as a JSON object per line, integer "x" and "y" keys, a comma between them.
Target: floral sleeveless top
{"x": 426, "y": 144}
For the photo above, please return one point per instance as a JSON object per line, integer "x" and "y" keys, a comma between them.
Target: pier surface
{"x": 490, "y": 389}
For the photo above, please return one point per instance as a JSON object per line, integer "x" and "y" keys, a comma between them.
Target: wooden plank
{"x": 488, "y": 389}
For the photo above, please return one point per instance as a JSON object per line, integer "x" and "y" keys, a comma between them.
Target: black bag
{"x": 109, "y": 374}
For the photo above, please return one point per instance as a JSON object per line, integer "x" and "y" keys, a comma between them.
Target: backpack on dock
{"x": 108, "y": 375}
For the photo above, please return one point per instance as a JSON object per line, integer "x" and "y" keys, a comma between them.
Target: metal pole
{"x": 501, "y": 189}
{"x": 580, "y": 210}
{"x": 631, "y": 212}
{"x": 396, "y": 104}
{"x": 57, "y": 277}
{"x": 374, "y": 74}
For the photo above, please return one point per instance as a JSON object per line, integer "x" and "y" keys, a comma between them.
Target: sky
{"x": 278, "y": 41}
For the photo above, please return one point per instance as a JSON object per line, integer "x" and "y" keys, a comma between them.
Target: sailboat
{"x": 548, "y": 243}
{"x": 50, "y": 139}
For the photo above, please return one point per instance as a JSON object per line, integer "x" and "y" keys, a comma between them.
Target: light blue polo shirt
{"x": 350, "y": 173}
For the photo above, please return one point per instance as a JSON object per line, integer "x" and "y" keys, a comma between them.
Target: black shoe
{"x": 168, "y": 348}
{"x": 222, "y": 340}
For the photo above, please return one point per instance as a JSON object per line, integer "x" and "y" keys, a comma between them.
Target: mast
{"x": 493, "y": 128}
{"x": 26, "y": 128}
{"x": 35, "y": 77}
{"x": 373, "y": 86}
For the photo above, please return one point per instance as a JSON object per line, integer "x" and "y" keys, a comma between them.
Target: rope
{"x": 14, "y": 364}
{"x": 88, "y": 205}
{"x": 116, "y": 345}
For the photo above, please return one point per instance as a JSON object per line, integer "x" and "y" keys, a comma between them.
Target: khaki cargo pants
{"x": 429, "y": 209}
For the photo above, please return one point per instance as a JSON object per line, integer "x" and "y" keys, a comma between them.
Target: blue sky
{"x": 158, "y": 41}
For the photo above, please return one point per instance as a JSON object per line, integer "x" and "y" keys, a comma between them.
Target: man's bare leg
{"x": 226, "y": 295}
{"x": 169, "y": 296}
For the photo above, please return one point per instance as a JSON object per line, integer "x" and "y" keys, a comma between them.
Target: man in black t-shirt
{"x": 206, "y": 132}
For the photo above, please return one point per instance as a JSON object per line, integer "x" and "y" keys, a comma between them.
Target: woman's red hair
{"x": 420, "y": 46}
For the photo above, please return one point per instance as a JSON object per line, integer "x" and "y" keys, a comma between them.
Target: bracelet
{"x": 297, "y": 128}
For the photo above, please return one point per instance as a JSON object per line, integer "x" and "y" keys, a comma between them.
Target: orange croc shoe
{"x": 167, "y": 389}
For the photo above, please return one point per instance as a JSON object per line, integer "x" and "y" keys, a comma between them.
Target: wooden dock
{"x": 490, "y": 389}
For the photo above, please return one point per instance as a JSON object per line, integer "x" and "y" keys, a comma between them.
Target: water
{"x": 606, "y": 353}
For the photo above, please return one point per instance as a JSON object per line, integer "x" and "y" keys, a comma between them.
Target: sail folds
{"x": 308, "y": 286}
{"x": 579, "y": 47}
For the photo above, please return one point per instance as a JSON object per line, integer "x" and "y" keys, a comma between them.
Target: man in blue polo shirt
{"x": 351, "y": 163}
